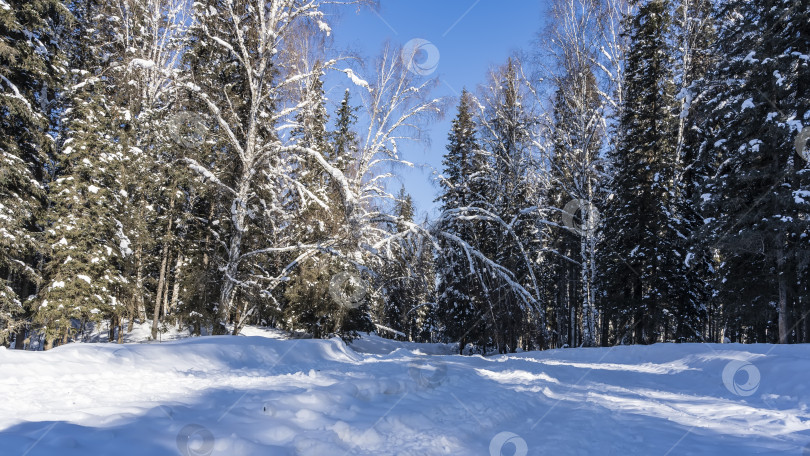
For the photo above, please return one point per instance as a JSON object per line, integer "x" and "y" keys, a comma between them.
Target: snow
{"x": 124, "y": 242}
{"x": 206, "y": 174}
{"x": 142, "y": 63}
{"x": 800, "y": 195}
{"x": 324, "y": 27}
{"x": 356, "y": 80}
{"x": 223, "y": 43}
{"x": 750, "y": 57}
{"x": 263, "y": 394}
{"x": 15, "y": 90}
{"x": 747, "y": 104}
{"x": 779, "y": 78}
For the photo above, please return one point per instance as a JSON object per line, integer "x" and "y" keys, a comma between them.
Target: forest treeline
{"x": 640, "y": 175}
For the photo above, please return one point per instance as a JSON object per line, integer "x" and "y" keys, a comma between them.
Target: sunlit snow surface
{"x": 264, "y": 395}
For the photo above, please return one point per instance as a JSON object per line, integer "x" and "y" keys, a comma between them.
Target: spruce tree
{"x": 344, "y": 137}
{"x": 31, "y": 69}
{"x": 321, "y": 220}
{"x": 84, "y": 236}
{"x": 754, "y": 194}
{"x": 512, "y": 236}
{"x": 460, "y": 298}
{"x": 309, "y": 305}
{"x": 407, "y": 280}
{"x": 694, "y": 32}
{"x": 643, "y": 262}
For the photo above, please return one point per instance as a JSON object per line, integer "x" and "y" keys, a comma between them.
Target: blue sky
{"x": 471, "y": 37}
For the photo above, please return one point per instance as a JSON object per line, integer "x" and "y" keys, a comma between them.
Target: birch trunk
{"x": 177, "y": 278}
{"x": 238, "y": 216}
{"x": 165, "y": 304}
{"x": 139, "y": 301}
{"x": 586, "y": 278}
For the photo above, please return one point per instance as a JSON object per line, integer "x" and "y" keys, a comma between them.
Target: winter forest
{"x": 640, "y": 175}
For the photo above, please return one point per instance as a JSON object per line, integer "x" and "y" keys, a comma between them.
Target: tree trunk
{"x": 140, "y": 306}
{"x": 162, "y": 277}
{"x": 207, "y": 239}
{"x": 166, "y": 290}
{"x": 588, "y": 313}
{"x": 159, "y": 292}
{"x": 19, "y": 339}
{"x": 573, "y": 327}
{"x": 238, "y": 217}
{"x": 113, "y": 324}
{"x": 638, "y": 317}
{"x": 783, "y": 307}
{"x": 236, "y": 320}
{"x": 178, "y": 276}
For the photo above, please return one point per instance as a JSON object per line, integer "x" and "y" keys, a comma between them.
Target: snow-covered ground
{"x": 262, "y": 394}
